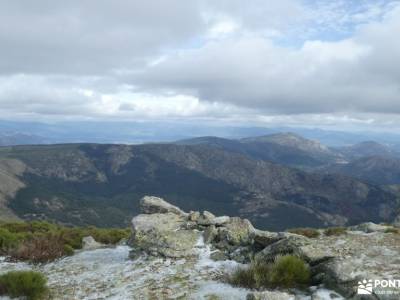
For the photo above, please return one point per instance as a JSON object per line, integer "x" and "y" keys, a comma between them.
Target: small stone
{"x": 369, "y": 227}
{"x": 205, "y": 218}
{"x": 154, "y": 205}
{"x": 194, "y": 216}
{"x": 89, "y": 243}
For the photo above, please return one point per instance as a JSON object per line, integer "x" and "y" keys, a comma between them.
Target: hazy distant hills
{"x": 141, "y": 132}
{"x": 368, "y": 148}
{"x": 12, "y": 139}
{"x": 101, "y": 184}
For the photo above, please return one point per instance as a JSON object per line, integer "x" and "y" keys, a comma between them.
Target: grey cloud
{"x": 93, "y": 36}
{"x": 106, "y": 46}
{"x": 358, "y": 74}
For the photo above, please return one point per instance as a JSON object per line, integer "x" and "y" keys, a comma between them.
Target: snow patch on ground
{"x": 109, "y": 273}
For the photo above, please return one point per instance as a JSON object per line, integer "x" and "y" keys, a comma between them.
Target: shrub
{"x": 9, "y": 240}
{"x": 393, "y": 230}
{"x": 287, "y": 271}
{"x": 243, "y": 278}
{"x": 40, "y": 249}
{"x": 40, "y": 241}
{"x": 335, "y": 231}
{"x": 16, "y": 227}
{"x": 68, "y": 250}
{"x": 108, "y": 236}
{"x": 307, "y": 232}
{"x": 42, "y": 226}
{"x": 29, "y": 284}
{"x": 72, "y": 236}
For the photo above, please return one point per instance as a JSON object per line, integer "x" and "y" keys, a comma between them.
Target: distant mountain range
{"x": 368, "y": 148}
{"x": 102, "y": 184}
{"x": 143, "y": 132}
{"x": 12, "y": 139}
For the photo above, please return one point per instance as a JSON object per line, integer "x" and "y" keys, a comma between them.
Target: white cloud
{"x": 357, "y": 74}
{"x": 290, "y": 61}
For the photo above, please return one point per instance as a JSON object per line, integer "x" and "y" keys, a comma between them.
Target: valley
{"x": 100, "y": 184}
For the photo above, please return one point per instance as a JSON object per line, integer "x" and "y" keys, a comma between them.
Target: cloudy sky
{"x": 287, "y": 62}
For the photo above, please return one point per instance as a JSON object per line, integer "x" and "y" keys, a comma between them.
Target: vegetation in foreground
{"x": 307, "y": 232}
{"x": 40, "y": 242}
{"x": 286, "y": 272}
{"x": 29, "y": 284}
{"x": 393, "y": 230}
{"x": 335, "y": 231}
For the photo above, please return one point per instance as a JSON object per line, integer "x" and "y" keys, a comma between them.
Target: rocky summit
{"x": 173, "y": 254}
{"x": 338, "y": 258}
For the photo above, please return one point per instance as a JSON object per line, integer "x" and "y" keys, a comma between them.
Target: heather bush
{"x": 335, "y": 231}
{"x": 286, "y": 271}
{"x": 28, "y": 284}
{"x": 40, "y": 241}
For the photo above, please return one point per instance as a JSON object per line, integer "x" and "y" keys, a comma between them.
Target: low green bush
{"x": 29, "y": 284}
{"x": 335, "y": 231}
{"x": 243, "y": 277}
{"x": 307, "y": 232}
{"x": 289, "y": 271}
{"x": 108, "y": 236}
{"x": 286, "y": 271}
{"x": 9, "y": 240}
{"x": 68, "y": 250}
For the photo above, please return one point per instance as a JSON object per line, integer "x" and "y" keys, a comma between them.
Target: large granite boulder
{"x": 163, "y": 234}
{"x": 153, "y": 205}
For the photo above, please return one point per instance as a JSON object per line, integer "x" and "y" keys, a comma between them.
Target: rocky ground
{"x": 109, "y": 273}
{"x": 178, "y": 255}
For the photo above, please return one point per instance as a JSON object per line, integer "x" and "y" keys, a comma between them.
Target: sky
{"x": 258, "y": 62}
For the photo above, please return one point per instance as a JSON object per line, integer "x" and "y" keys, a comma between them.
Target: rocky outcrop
{"x": 335, "y": 261}
{"x": 165, "y": 230}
